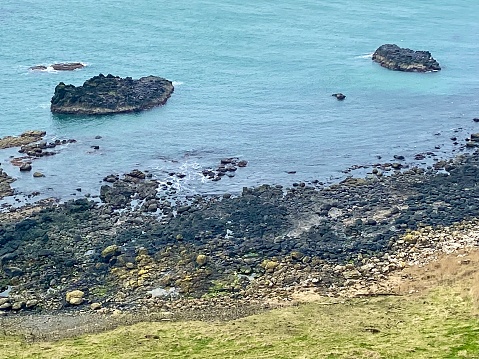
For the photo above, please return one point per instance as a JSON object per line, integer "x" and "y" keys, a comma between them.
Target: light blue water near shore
{"x": 252, "y": 79}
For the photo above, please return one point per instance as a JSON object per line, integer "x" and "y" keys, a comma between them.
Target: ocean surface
{"x": 253, "y": 79}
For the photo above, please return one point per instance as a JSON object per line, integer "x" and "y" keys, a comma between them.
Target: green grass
{"x": 438, "y": 325}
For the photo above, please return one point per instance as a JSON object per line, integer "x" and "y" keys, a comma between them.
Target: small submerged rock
{"x": 38, "y": 68}
{"x": 339, "y": 96}
{"x": 227, "y": 167}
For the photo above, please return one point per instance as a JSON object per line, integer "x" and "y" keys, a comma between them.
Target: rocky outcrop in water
{"x": 5, "y": 181}
{"x": 24, "y": 139}
{"x": 70, "y": 66}
{"x": 63, "y": 66}
{"x": 396, "y": 58}
{"x": 110, "y": 94}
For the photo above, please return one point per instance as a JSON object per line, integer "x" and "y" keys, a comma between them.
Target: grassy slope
{"x": 440, "y": 324}
{"x": 439, "y": 321}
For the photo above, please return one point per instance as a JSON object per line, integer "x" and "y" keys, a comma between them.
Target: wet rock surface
{"x": 396, "y": 58}
{"x": 35, "y": 149}
{"x": 110, "y": 94}
{"x": 226, "y": 168}
{"x": 63, "y": 66}
{"x": 5, "y": 181}
{"x": 68, "y": 66}
{"x": 143, "y": 248}
{"x": 25, "y": 138}
{"x": 43, "y": 148}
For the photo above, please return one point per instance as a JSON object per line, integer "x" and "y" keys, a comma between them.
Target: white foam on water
{"x": 367, "y": 56}
{"x": 177, "y": 83}
{"x": 50, "y": 69}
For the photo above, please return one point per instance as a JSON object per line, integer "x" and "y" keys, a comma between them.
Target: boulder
{"x": 25, "y": 167}
{"x": 75, "y": 297}
{"x": 31, "y": 303}
{"x": 396, "y": 58}
{"x": 6, "y": 306}
{"x": 110, "y": 251}
{"x": 110, "y": 94}
{"x": 201, "y": 259}
{"x": 270, "y": 266}
{"x": 475, "y": 137}
{"x": 18, "y": 305}
{"x": 95, "y": 306}
{"x": 339, "y": 96}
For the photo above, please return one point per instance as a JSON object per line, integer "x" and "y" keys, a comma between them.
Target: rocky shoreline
{"x": 144, "y": 250}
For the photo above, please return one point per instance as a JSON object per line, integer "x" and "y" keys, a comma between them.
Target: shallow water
{"x": 251, "y": 80}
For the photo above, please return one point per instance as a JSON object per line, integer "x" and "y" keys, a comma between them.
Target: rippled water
{"x": 252, "y": 80}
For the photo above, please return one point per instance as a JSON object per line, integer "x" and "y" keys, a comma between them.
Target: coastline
{"x": 239, "y": 254}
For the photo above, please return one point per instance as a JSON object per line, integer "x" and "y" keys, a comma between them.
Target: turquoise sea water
{"x": 252, "y": 80}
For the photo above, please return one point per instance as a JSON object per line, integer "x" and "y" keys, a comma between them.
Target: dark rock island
{"x": 110, "y": 94}
{"x": 397, "y": 58}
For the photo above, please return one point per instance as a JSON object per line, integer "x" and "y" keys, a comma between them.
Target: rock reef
{"x": 24, "y": 139}
{"x": 110, "y": 94}
{"x": 63, "y": 66}
{"x": 396, "y": 58}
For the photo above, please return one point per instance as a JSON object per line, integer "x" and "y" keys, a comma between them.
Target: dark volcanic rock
{"x": 26, "y": 167}
{"x": 70, "y": 66}
{"x": 38, "y": 68}
{"x": 5, "y": 181}
{"x": 63, "y": 66}
{"x": 396, "y": 58}
{"x": 110, "y": 94}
